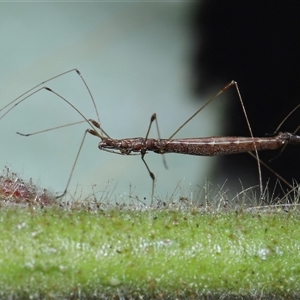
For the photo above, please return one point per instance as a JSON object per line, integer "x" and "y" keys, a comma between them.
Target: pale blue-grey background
{"x": 135, "y": 58}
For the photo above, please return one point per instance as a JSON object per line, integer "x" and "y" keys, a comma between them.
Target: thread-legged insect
{"x": 209, "y": 146}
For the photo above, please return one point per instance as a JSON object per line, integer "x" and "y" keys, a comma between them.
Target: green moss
{"x": 54, "y": 252}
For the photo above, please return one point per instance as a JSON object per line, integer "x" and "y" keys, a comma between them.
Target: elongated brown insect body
{"x": 206, "y": 146}
{"x": 203, "y": 146}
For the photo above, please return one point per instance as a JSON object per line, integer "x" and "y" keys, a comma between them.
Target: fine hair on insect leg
{"x": 41, "y": 86}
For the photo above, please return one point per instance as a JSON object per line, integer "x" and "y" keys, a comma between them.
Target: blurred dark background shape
{"x": 258, "y": 45}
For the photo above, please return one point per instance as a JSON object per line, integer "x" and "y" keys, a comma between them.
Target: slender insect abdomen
{"x": 212, "y": 146}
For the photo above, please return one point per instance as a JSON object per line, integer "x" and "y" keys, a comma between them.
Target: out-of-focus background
{"x": 258, "y": 45}
{"x": 135, "y": 57}
{"x": 141, "y": 58}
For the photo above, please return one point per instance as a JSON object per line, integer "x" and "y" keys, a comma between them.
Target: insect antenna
{"x": 52, "y": 128}
{"x": 35, "y": 87}
{"x": 95, "y": 125}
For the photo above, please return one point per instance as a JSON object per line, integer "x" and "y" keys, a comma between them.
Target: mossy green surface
{"x": 51, "y": 253}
